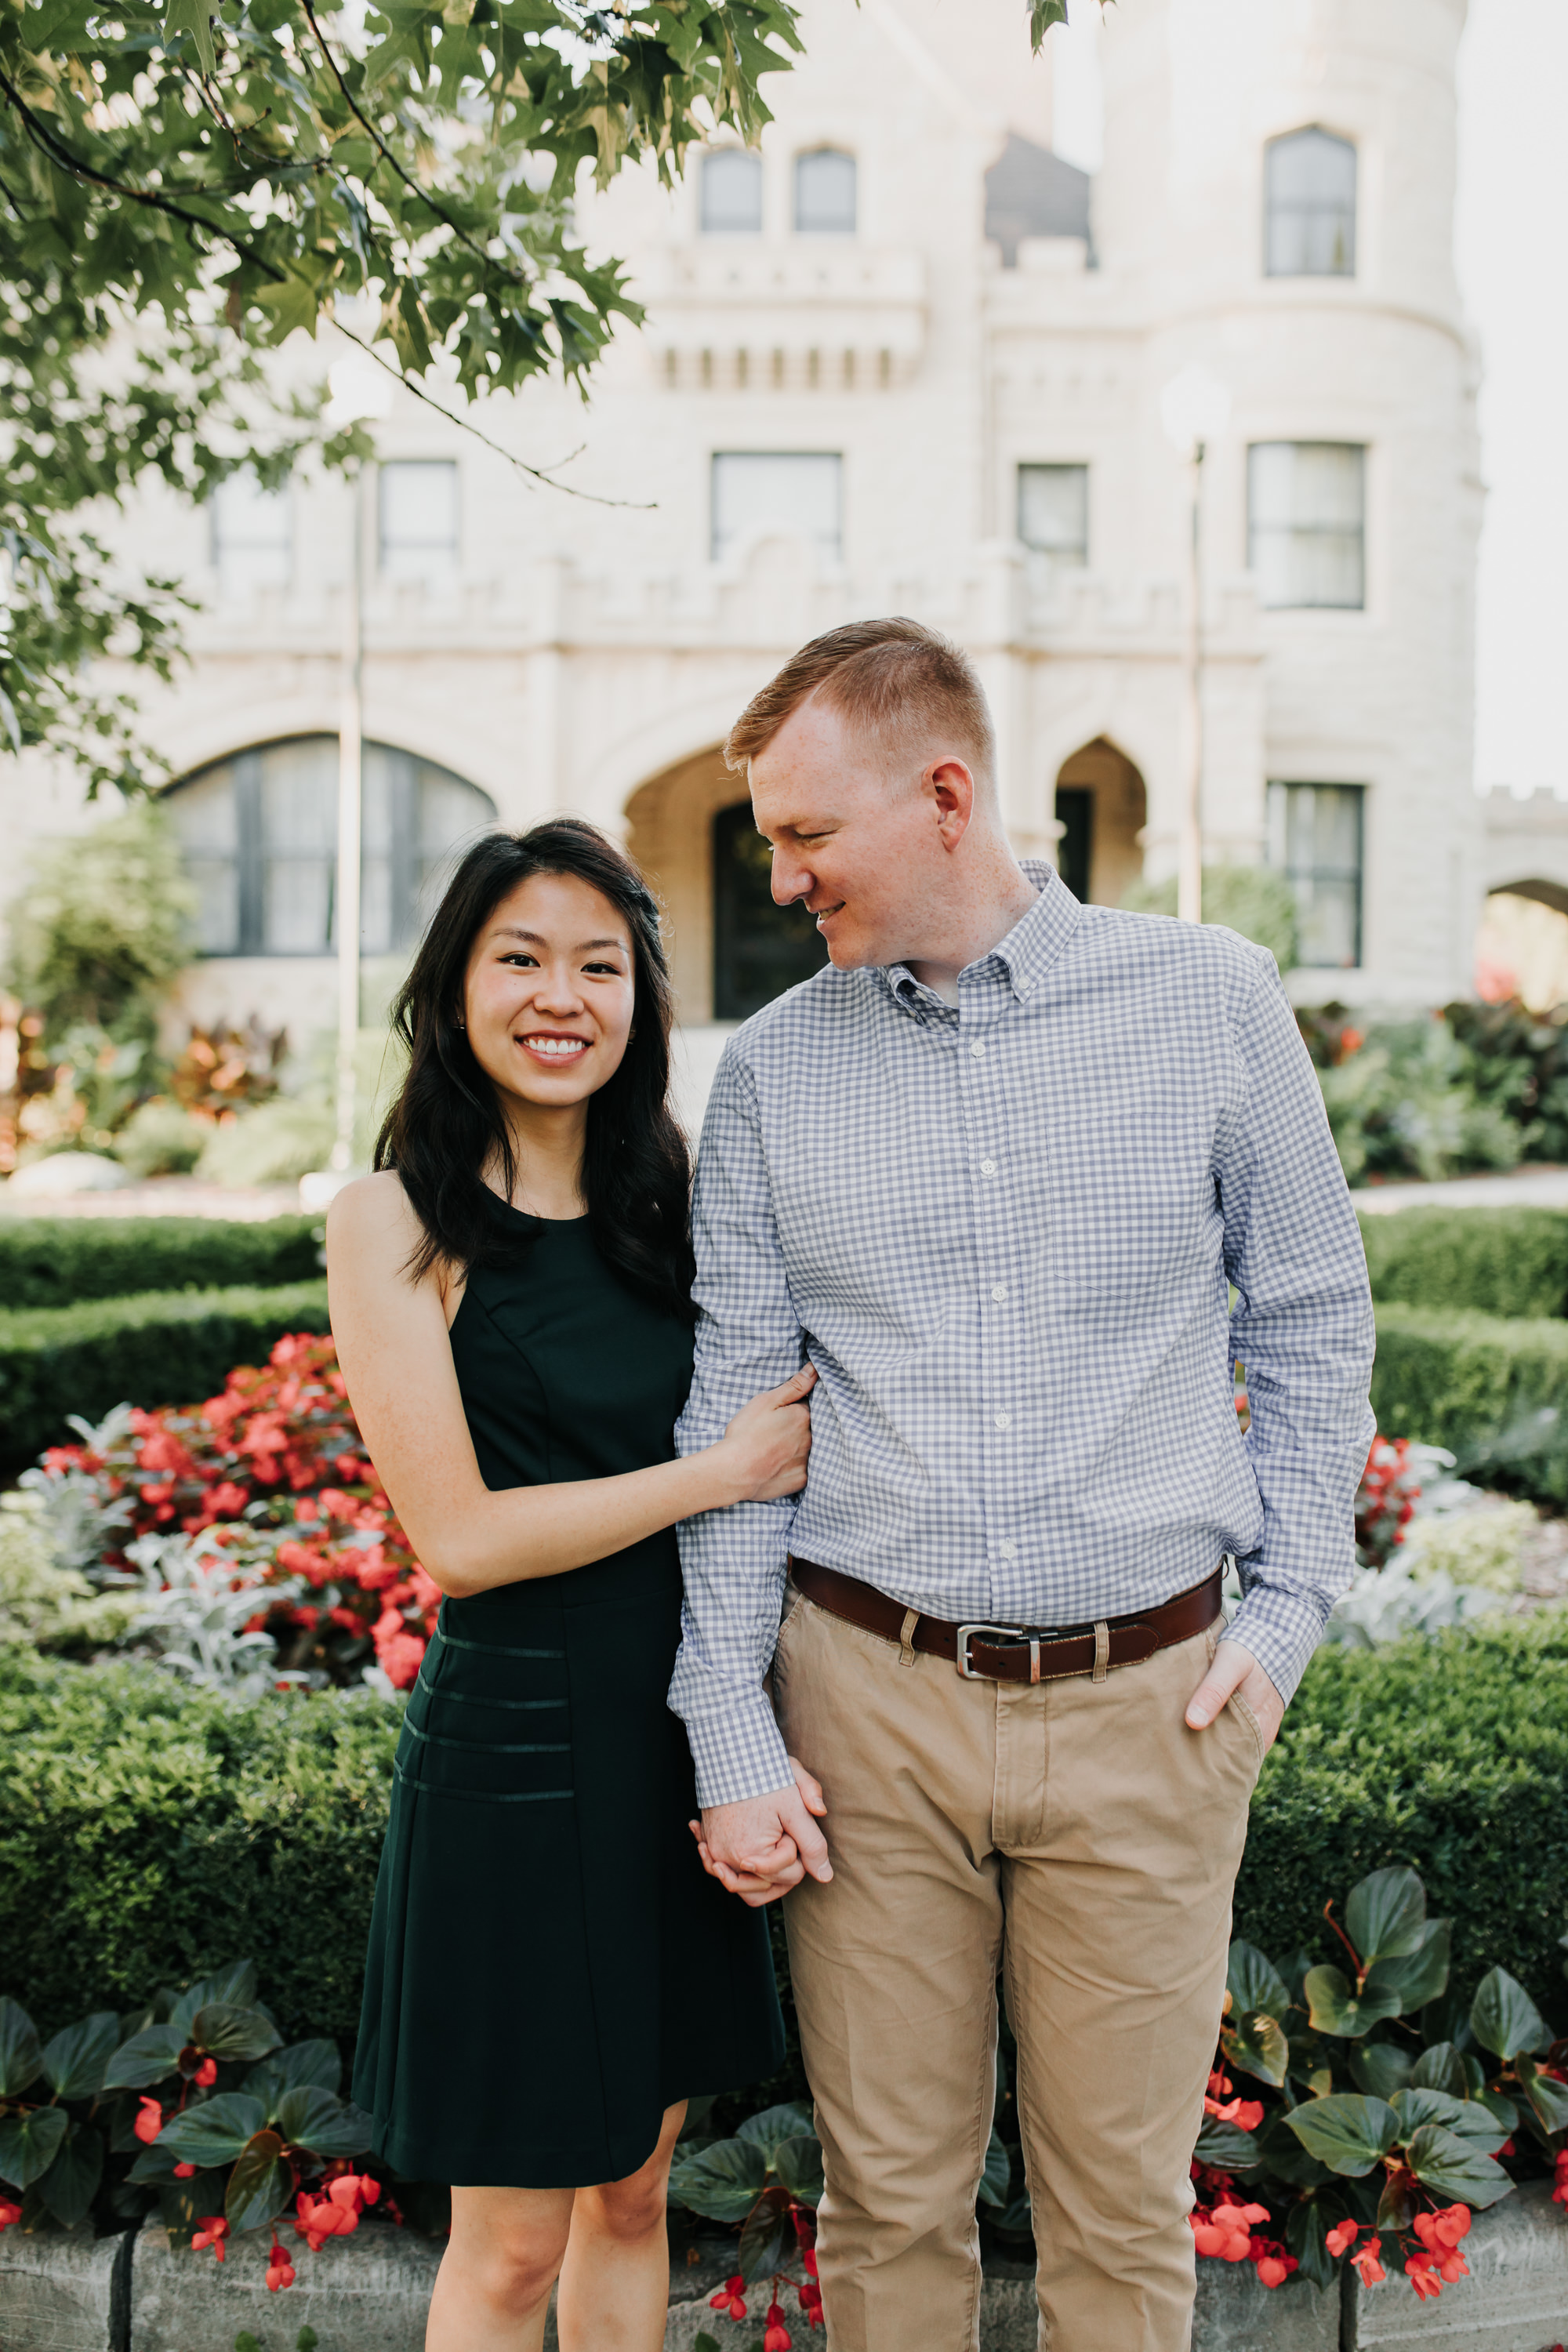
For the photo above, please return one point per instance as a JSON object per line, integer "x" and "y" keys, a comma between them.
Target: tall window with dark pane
{"x": 1074, "y": 850}
{"x": 1308, "y": 205}
{"x": 260, "y": 836}
{"x": 759, "y": 947}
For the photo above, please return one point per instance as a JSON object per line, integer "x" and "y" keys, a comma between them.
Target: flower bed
{"x": 266, "y": 1487}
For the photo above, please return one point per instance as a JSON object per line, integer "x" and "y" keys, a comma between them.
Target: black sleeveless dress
{"x": 549, "y": 1966}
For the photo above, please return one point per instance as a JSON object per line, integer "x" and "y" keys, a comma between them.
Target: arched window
{"x": 260, "y": 836}
{"x": 1308, "y": 205}
{"x": 759, "y": 947}
{"x": 731, "y": 192}
{"x": 824, "y": 191}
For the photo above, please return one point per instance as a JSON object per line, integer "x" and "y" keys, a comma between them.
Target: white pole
{"x": 1190, "y": 873}
{"x": 350, "y": 804}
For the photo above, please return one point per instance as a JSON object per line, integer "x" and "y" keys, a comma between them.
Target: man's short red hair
{"x": 899, "y": 686}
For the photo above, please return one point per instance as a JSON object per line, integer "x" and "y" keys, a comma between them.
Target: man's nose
{"x": 791, "y": 879}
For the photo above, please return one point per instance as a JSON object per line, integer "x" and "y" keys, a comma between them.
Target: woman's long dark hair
{"x": 447, "y": 1125}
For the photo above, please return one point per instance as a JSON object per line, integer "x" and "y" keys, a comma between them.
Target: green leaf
{"x": 1255, "y": 1983}
{"x": 1227, "y": 2147}
{"x": 324, "y": 2123}
{"x": 797, "y": 2164}
{"x": 704, "y": 2342}
{"x": 183, "y": 2203}
{"x": 1546, "y": 2095}
{"x": 226, "y": 2031}
{"x": 1455, "y": 2168}
{"x": 1420, "y": 1976}
{"x": 1043, "y": 15}
{"x": 195, "y": 17}
{"x": 70, "y": 2184}
{"x": 1500, "y": 2109}
{"x": 761, "y": 2240}
{"x": 1282, "y": 2154}
{"x": 260, "y": 2185}
{"x": 1335, "y": 2007}
{"x": 1347, "y": 2132}
{"x": 304, "y": 2065}
{"x": 29, "y": 2145}
{"x": 997, "y": 2173}
{"x": 1380, "y": 2068}
{"x": 1306, "y": 2229}
{"x": 1018, "y": 2221}
{"x": 233, "y": 1985}
{"x": 75, "y": 2060}
{"x": 1385, "y": 1915}
{"x": 1503, "y": 2017}
{"x": 1440, "y": 2068}
{"x": 147, "y": 2058}
{"x": 217, "y": 2131}
{"x": 1256, "y": 2045}
{"x": 774, "y": 2126}
{"x": 722, "y": 2183}
{"x": 20, "y": 2057}
{"x": 305, "y": 2340}
{"x": 1468, "y": 2117}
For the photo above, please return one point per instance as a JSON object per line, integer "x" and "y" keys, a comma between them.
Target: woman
{"x": 551, "y": 1973}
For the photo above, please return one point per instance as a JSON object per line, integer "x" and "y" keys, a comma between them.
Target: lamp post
{"x": 1194, "y": 409}
{"x": 361, "y": 392}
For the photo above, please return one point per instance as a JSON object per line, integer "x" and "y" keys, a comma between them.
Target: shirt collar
{"x": 1028, "y": 952}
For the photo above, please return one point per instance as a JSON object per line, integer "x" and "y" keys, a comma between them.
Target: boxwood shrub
{"x": 1493, "y": 1261}
{"x": 154, "y": 1348}
{"x": 1492, "y": 1389}
{"x": 59, "y": 1261}
{"x": 148, "y": 1832}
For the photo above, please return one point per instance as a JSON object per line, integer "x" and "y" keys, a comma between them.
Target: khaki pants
{"x": 1077, "y": 1837}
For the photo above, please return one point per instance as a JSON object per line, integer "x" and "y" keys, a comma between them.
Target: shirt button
{"x": 1004, "y": 1420}
{"x": 1008, "y": 1550}
{"x": 977, "y": 1049}
{"x": 998, "y": 1292}
{"x": 988, "y": 1167}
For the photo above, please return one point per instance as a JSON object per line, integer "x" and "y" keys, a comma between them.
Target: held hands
{"x": 1235, "y": 1668}
{"x": 761, "y": 1848}
{"x": 769, "y": 1439}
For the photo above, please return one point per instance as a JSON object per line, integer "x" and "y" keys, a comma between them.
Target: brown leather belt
{"x": 1014, "y": 1654}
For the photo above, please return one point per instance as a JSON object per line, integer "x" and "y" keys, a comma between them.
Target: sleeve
{"x": 1301, "y": 1328}
{"x": 733, "y": 1561}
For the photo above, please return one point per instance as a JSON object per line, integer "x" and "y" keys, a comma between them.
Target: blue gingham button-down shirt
{"x": 1003, "y": 1233}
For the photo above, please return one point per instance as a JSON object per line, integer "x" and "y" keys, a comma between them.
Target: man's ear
{"x": 952, "y": 788}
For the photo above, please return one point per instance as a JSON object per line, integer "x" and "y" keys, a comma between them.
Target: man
{"x": 993, "y": 1170}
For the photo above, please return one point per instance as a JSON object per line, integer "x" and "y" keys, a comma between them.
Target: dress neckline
{"x": 529, "y": 1217}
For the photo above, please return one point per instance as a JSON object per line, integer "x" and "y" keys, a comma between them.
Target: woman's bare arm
{"x": 396, "y": 1359}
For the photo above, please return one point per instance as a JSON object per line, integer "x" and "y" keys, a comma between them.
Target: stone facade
{"x": 990, "y": 310}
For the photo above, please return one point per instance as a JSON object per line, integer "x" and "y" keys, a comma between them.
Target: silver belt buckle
{"x": 965, "y": 1633}
{"x": 1009, "y": 1634}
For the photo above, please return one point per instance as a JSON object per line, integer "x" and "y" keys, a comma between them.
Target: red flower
{"x": 185, "y": 2171}
{"x": 1342, "y": 2235}
{"x": 1272, "y": 2271}
{"x": 279, "y": 2269}
{"x": 149, "y": 2123}
{"x": 730, "y": 2297}
{"x": 1441, "y": 2231}
{"x": 9, "y": 2213}
{"x": 207, "y": 2073}
{"x": 1365, "y": 2263}
{"x": 1418, "y": 2270}
{"x": 212, "y": 2231}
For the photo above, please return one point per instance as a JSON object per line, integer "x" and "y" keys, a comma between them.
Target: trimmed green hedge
{"x": 192, "y": 1829}
{"x": 1492, "y": 1389}
{"x": 60, "y": 1261}
{"x": 156, "y": 1348}
{"x": 1492, "y": 1261}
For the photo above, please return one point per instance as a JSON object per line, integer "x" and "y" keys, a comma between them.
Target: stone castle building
{"x": 906, "y": 359}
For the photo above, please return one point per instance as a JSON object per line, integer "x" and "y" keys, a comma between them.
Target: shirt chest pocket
{"x": 1132, "y": 1206}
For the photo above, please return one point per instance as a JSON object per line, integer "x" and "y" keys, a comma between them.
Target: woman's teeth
{"x": 559, "y": 1049}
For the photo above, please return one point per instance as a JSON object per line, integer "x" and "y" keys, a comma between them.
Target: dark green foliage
{"x": 157, "y": 1347}
{"x": 149, "y": 1831}
{"x": 1495, "y": 1261}
{"x": 60, "y": 1261}
{"x": 1494, "y": 1390}
{"x": 1450, "y": 1757}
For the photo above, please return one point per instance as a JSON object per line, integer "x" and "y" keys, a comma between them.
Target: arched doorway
{"x": 1522, "y": 946}
{"x": 731, "y": 950}
{"x": 1101, "y": 808}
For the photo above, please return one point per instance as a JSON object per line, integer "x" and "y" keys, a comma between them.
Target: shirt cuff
{"x": 1281, "y": 1630}
{"x": 739, "y": 1754}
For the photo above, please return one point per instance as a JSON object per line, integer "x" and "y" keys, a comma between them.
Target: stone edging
{"x": 368, "y": 2293}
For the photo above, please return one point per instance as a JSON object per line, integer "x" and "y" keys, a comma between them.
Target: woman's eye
{"x": 522, "y": 960}
{"x": 604, "y": 970}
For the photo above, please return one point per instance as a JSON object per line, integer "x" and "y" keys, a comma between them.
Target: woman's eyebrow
{"x": 536, "y": 940}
